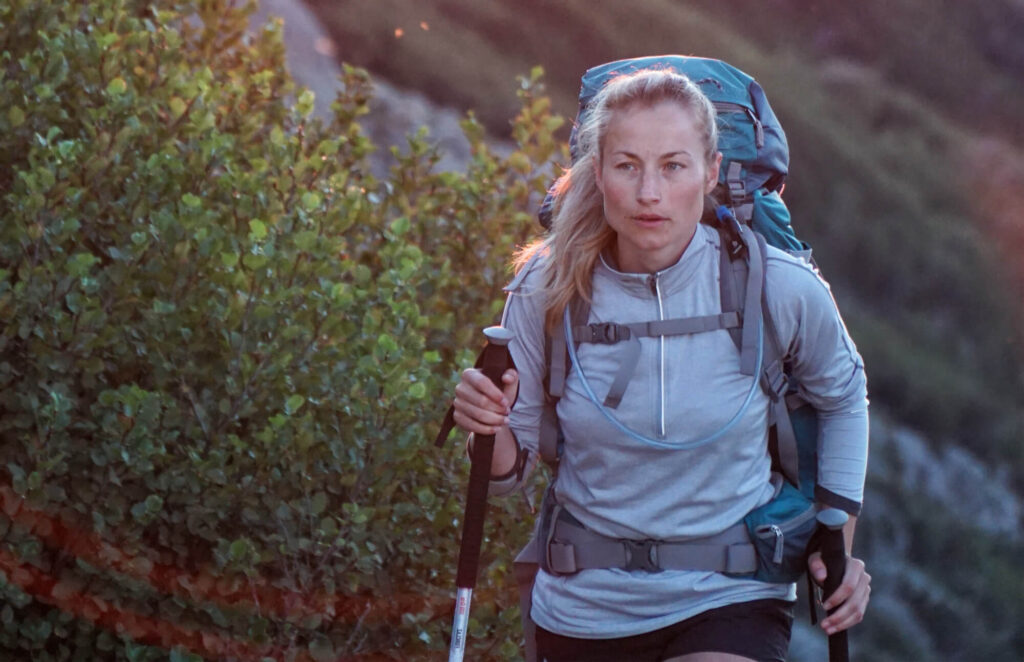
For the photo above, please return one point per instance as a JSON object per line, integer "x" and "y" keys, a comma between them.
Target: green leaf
{"x": 239, "y": 549}
{"x": 190, "y": 200}
{"x": 304, "y": 104}
{"x": 321, "y": 649}
{"x": 305, "y": 240}
{"x": 257, "y": 229}
{"x": 293, "y": 404}
{"x": 79, "y": 264}
{"x": 117, "y": 87}
{"x": 318, "y": 503}
{"x": 387, "y": 343}
{"x": 254, "y": 261}
{"x": 139, "y": 510}
{"x": 163, "y": 307}
{"x": 154, "y": 502}
{"x": 16, "y": 116}
{"x": 178, "y": 106}
{"x": 310, "y": 200}
{"x": 400, "y": 225}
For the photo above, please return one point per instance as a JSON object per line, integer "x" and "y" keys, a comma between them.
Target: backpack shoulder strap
{"x": 742, "y": 290}
{"x": 556, "y": 360}
{"x": 775, "y": 382}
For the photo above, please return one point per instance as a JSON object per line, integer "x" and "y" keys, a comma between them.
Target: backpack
{"x": 771, "y": 543}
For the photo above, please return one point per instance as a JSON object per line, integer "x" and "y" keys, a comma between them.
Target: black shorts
{"x": 758, "y": 630}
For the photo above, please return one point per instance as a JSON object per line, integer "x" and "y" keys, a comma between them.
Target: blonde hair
{"x": 579, "y": 231}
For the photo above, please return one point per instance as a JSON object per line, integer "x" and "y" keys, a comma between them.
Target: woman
{"x": 626, "y": 237}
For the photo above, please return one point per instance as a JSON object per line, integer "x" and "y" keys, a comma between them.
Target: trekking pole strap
{"x": 503, "y": 359}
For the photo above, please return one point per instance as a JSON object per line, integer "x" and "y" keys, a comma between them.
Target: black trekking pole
{"x": 494, "y": 360}
{"x": 833, "y": 554}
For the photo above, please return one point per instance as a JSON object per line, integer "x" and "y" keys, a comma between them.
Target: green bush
{"x": 225, "y": 345}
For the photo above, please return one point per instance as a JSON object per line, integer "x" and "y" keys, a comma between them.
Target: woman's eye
{"x": 674, "y": 166}
{"x": 625, "y": 166}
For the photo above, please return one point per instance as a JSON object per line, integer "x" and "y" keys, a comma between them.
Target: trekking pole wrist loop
{"x": 517, "y": 467}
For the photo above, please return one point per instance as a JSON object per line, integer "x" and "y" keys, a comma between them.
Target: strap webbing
{"x": 549, "y": 438}
{"x": 572, "y": 547}
{"x": 776, "y": 384}
{"x": 448, "y": 424}
{"x": 752, "y": 313}
{"x": 611, "y": 333}
{"x": 627, "y": 366}
{"x": 558, "y": 365}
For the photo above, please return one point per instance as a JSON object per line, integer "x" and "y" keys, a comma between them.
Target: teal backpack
{"x": 771, "y": 543}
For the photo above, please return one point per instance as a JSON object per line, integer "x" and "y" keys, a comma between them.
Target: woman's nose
{"x": 649, "y": 190}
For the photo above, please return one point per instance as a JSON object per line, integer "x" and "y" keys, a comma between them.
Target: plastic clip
{"x": 641, "y": 555}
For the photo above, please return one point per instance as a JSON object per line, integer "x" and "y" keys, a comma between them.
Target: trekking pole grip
{"x": 495, "y": 360}
{"x": 833, "y": 554}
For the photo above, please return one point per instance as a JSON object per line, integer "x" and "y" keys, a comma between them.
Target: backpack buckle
{"x": 608, "y": 333}
{"x": 641, "y": 555}
{"x": 776, "y": 380}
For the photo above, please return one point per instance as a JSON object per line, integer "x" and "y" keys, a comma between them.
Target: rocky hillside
{"x": 906, "y": 127}
{"x": 314, "y": 59}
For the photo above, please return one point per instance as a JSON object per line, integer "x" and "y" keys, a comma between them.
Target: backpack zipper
{"x": 778, "y": 531}
{"x": 727, "y": 107}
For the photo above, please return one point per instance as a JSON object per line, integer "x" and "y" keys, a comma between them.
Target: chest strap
{"x": 610, "y": 333}
{"x": 571, "y": 548}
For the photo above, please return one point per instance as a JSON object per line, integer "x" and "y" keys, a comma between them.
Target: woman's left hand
{"x": 851, "y": 598}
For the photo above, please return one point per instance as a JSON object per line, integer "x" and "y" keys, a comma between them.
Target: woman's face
{"x": 654, "y": 177}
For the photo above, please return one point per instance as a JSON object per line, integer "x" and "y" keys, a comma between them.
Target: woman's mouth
{"x": 648, "y": 219}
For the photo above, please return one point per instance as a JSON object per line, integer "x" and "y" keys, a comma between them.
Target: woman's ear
{"x": 713, "y": 173}
{"x": 596, "y": 162}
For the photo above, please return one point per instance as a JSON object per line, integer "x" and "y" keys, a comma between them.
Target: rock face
{"x": 396, "y": 113}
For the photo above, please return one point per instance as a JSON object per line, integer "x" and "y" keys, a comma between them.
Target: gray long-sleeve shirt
{"x": 684, "y": 388}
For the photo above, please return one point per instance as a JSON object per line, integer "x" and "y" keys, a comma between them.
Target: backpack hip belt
{"x": 571, "y": 547}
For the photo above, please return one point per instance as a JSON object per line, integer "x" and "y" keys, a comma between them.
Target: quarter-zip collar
{"x": 703, "y": 246}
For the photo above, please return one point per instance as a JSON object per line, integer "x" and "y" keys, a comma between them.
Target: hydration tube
{"x": 683, "y": 445}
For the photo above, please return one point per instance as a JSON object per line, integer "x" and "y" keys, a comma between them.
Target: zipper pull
{"x": 779, "y": 544}
{"x": 652, "y": 282}
{"x": 758, "y": 129}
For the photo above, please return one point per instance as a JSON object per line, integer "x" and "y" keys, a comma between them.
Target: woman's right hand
{"x": 480, "y": 406}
